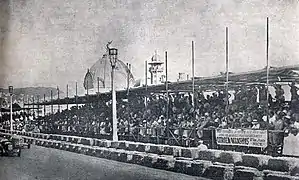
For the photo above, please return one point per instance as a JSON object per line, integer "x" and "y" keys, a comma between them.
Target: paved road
{"x": 52, "y": 164}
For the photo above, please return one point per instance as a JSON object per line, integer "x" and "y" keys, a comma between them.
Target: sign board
{"x": 10, "y": 90}
{"x": 242, "y": 137}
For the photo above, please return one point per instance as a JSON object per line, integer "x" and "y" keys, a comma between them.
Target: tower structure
{"x": 156, "y": 68}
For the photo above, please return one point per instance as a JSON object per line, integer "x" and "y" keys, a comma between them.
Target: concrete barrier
{"x": 209, "y": 155}
{"x": 220, "y": 172}
{"x": 122, "y": 145}
{"x": 212, "y": 164}
{"x": 230, "y": 157}
{"x": 114, "y": 144}
{"x": 183, "y": 166}
{"x": 164, "y": 162}
{"x": 249, "y": 174}
{"x": 256, "y": 161}
{"x": 150, "y": 160}
{"x": 190, "y": 152}
{"x": 137, "y": 158}
{"x": 168, "y": 150}
{"x": 280, "y": 177}
{"x": 198, "y": 167}
{"x": 284, "y": 164}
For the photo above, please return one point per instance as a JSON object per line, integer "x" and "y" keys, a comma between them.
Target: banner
{"x": 242, "y": 137}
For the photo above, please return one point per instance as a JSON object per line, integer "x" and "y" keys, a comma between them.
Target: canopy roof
{"x": 284, "y": 74}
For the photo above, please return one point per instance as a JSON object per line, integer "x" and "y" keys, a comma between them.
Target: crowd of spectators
{"x": 149, "y": 114}
{"x": 177, "y": 114}
{"x": 22, "y": 121}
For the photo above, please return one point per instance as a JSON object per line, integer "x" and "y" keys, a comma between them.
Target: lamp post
{"x": 10, "y": 89}
{"x": 113, "y": 59}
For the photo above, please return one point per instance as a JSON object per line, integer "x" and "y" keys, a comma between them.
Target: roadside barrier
{"x": 214, "y": 164}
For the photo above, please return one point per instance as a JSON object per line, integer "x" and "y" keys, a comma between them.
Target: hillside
{"x": 26, "y": 92}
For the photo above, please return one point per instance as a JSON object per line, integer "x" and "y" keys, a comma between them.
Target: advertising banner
{"x": 242, "y": 137}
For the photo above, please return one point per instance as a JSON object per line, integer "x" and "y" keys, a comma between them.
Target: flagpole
{"x": 166, "y": 85}
{"x": 58, "y": 99}
{"x": 167, "y": 96}
{"x": 145, "y": 79}
{"x": 98, "y": 79}
{"x": 33, "y": 104}
{"x": 226, "y": 64}
{"x": 52, "y": 102}
{"x": 28, "y": 104}
{"x": 23, "y": 104}
{"x": 76, "y": 99}
{"x": 193, "y": 81}
{"x": 128, "y": 72}
{"x": 67, "y": 96}
{"x": 44, "y": 105}
{"x": 267, "y": 58}
{"x": 38, "y": 105}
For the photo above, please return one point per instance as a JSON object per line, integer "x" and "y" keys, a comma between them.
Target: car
{"x": 11, "y": 146}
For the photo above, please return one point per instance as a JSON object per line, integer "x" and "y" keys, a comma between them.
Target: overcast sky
{"x": 53, "y": 42}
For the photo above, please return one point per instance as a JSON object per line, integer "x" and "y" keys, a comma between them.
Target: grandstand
{"x": 141, "y": 119}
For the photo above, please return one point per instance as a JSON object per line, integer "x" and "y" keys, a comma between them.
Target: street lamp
{"x": 113, "y": 60}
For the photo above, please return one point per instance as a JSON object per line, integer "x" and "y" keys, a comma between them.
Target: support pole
{"x": 33, "y": 106}
{"x": 166, "y": 86}
{"x": 145, "y": 80}
{"x": 67, "y": 97}
{"x": 98, "y": 80}
{"x": 227, "y": 72}
{"x": 52, "y": 102}
{"x": 58, "y": 99}
{"x": 128, "y": 77}
{"x": 23, "y": 104}
{"x": 45, "y": 105}
{"x": 114, "y": 116}
{"x": 267, "y": 58}
{"x": 167, "y": 95}
{"x": 76, "y": 99}
{"x": 11, "y": 124}
{"x": 193, "y": 81}
{"x": 38, "y": 105}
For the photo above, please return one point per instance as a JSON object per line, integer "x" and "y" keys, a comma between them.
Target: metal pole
{"x": 145, "y": 80}
{"x": 193, "y": 81}
{"x": 58, "y": 98}
{"x": 28, "y": 106}
{"x": 44, "y": 105}
{"x": 11, "y": 124}
{"x": 128, "y": 78}
{"x": 98, "y": 79}
{"x": 38, "y": 106}
{"x": 114, "y": 116}
{"x": 166, "y": 86}
{"x": 67, "y": 96}
{"x": 23, "y": 104}
{"x": 226, "y": 62}
{"x": 167, "y": 96}
{"x": 128, "y": 72}
{"x": 76, "y": 99}
{"x": 267, "y": 57}
{"x": 51, "y": 101}
{"x": 87, "y": 86}
{"x": 33, "y": 104}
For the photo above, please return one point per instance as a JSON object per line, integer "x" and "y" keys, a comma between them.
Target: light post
{"x": 10, "y": 89}
{"x": 113, "y": 60}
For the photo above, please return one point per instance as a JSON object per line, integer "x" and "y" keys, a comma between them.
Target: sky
{"x": 54, "y": 42}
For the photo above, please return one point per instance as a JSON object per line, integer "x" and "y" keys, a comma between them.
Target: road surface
{"x": 52, "y": 164}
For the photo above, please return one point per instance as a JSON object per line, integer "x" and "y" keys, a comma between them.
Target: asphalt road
{"x": 52, "y": 164}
